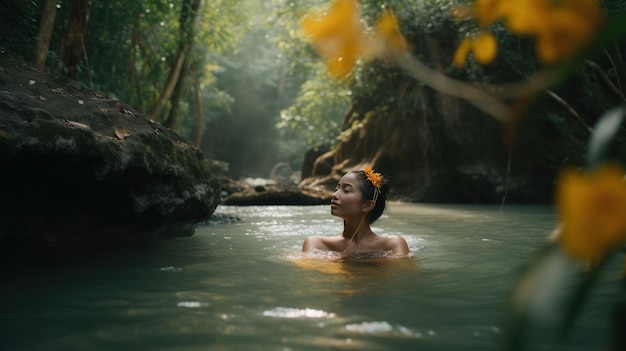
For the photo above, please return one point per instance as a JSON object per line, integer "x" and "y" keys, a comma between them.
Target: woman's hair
{"x": 367, "y": 189}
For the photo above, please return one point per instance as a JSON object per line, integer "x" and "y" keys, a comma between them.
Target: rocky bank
{"x": 79, "y": 166}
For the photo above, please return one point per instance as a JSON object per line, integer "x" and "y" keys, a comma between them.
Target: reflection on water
{"x": 246, "y": 286}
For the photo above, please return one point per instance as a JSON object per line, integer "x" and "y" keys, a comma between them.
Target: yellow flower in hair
{"x": 373, "y": 177}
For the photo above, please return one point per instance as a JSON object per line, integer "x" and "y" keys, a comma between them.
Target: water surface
{"x": 246, "y": 286}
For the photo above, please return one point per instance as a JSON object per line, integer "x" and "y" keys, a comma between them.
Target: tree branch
{"x": 606, "y": 79}
{"x": 454, "y": 87}
{"x": 570, "y": 109}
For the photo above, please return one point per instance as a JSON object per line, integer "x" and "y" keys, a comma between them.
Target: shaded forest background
{"x": 244, "y": 66}
{"x": 238, "y": 80}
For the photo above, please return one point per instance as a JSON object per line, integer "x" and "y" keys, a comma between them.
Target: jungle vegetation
{"x": 237, "y": 79}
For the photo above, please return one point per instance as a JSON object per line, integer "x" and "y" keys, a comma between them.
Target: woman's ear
{"x": 369, "y": 205}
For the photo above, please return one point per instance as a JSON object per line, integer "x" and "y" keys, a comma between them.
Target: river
{"x": 246, "y": 286}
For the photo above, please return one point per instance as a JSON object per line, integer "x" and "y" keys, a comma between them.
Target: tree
{"x": 197, "y": 140}
{"x": 437, "y": 147}
{"x": 73, "y": 43}
{"x": 45, "y": 33}
{"x": 175, "y": 83}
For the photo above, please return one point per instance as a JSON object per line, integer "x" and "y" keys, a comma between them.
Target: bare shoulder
{"x": 396, "y": 244}
{"x": 311, "y": 243}
{"x": 318, "y": 242}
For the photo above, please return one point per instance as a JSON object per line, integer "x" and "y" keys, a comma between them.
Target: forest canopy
{"x": 239, "y": 80}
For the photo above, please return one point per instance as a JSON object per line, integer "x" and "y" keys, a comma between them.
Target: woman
{"x": 359, "y": 198}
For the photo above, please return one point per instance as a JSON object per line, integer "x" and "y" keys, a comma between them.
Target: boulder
{"x": 79, "y": 166}
{"x": 278, "y": 195}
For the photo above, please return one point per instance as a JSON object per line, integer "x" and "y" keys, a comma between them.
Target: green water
{"x": 246, "y": 286}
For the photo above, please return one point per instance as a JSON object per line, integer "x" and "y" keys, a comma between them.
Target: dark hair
{"x": 367, "y": 189}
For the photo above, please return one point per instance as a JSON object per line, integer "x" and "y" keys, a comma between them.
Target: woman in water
{"x": 359, "y": 198}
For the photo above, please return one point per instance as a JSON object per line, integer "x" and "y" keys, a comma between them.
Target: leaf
{"x": 76, "y": 124}
{"x": 580, "y": 293}
{"x": 604, "y": 131}
{"x": 540, "y": 295}
{"x": 122, "y": 109}
{"x": 121, "y": 133}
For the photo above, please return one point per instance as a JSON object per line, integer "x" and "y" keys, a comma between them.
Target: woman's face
{"x": 347, "y": 199}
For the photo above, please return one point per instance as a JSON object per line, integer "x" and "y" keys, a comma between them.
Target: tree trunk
{"x": 132, "y": 66}
{"x": 45, "y": 32}
{"x": 178, "y": 93}
{"x": 189, "y": 16}
{"x": 72, "y": 45}
{"x": 199, "y": 113}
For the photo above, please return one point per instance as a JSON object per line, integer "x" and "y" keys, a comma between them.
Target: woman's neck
{"x": 356, "y": 230}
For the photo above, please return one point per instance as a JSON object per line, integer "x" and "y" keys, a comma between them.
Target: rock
{"x": 309, "y": 160}
{"x": 78, "y": 166}
{"x": 221, "y": 218}
{"x": 230, "y": 186}
{"x": 258, "y": 191}
{"x": 279, "y": 195}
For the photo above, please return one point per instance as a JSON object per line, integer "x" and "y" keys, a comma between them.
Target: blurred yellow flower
{"x": 460, "y": 56}
{"x": 567, "y": 29}
{"x": 388, "y": 28}
{"x": 593, "y": 211}
{"x": 483, "y": 46}
{"x": 341, "y": 39}
{"x": 336, "y": 34}
{"x": 489, "y": 11}
{"x": 525, "y": 17}
{"x": 562, "y": 27}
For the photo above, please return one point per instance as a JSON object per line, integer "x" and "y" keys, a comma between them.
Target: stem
{"x": 570, "y": 109}
{"x": 508, "y": 177}
{"x": 454, "y": 87}
{"x": 606, "y": 79}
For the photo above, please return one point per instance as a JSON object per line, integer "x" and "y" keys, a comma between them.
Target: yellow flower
{"x": 567, "y": 29}
{"x": 525, "y": 17}
{"x": 489, "y": 11}
{"x": 388, "y": 28}
{"x": 460, "y": 56}
{"x": 373, "y": 177}
{"x": 340, "y": 38}
{"x": 340, "y": 20}
{"x": 593, "y": 210}
{"x": 483, "y": 46}
{"x": 336, "y": 34}
{"x": 562, "y": 27}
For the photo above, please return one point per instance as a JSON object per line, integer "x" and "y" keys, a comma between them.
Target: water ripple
{"x": 384, "y": 328}
{"x": 287, "y": 312}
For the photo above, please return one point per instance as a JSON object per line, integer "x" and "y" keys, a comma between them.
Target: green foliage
{"x": 18, "y": 27}
{"x": 316, "y": 113}
{"x": 263, "y": 70}
{"x": 133, "y": 43}
{"x": 257, "y": 49}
